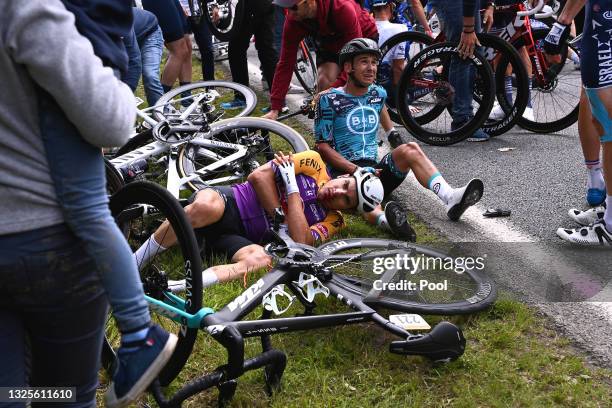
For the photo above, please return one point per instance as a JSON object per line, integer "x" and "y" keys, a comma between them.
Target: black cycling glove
{"x": 556, "y": 38}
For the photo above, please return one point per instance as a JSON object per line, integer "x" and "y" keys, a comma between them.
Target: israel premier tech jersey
{"x": 349, "y": 123}
{"x": 310, "y": 174}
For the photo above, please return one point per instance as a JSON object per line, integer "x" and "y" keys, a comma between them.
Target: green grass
{"x": 513, "y": 359}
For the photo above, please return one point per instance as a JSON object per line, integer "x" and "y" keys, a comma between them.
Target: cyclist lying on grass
{"x": 234, "y": 219}
{"x": 346, "y": 124}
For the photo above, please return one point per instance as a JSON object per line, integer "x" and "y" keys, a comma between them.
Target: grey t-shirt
{"x": 39, "y": 44}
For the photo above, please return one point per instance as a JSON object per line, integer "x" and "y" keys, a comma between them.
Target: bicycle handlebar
{"x": 547, "y": 12}
{"x": 533, "y": 11}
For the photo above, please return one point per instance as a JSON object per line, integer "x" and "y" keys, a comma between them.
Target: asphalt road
{"x": 539, "y": 179}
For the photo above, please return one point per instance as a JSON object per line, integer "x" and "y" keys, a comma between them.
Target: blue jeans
{"x": 151, "y": 49}
{"x": 77, "y": 170}
{"x": 132, "y": 76}
{"x": 279, "y": 23}
{"x": 52, "y": 314}
{"x": 461, "y": 73}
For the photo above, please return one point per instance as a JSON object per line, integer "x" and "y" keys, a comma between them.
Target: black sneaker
{"x": 136, "y": 369}
{"x": 395, "y": 139}
{"x": 398, "y": 222}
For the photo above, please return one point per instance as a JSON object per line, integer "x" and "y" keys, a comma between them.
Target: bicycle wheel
{"x": 139, "y": 208}
{"x": 262, "y": 137}
{"x": 114, "y": 180}
{"x": 305, "y": 69}
{"x": 507, "y": 62}
{"x": 425, "y": 94}
{"x": 210, "y": 94}
{"x": 414, "y": 43}
{"x": 356, "y": 266}
{"x": 220, "y": 49}
{"x": 230, "y": 13}
{"x": 555, "y": 98}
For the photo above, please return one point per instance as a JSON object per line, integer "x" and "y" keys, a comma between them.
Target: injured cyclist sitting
{"x": 346, "y": 126}
{"x": 235, "y": 220}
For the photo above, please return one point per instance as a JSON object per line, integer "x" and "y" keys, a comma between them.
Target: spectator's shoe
{"x": 528, "y": 114}
{"x": 479, "y": 136}
{"x": 395, "y": 139}
{"x": 137, "y": 367}
{"x": 463, "y": 198}
{"x": 497, "y": 113}
{"x": 267, "y": 109}
{"x": 398, "y": 222}
{"x": 596, "y": 196}
{"x": 594, "y": 234}
{"x": 235, "y": 104}
{"x": 587, "y": 217}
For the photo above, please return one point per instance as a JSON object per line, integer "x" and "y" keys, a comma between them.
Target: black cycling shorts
{"x": 226, "y": 236}
{"x": 390, "y": 176}
{"x": 170, "y": 16}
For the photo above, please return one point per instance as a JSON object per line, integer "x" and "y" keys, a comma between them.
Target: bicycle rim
{"x": 306, "y": 69}
{"x": 555, "y": 102}
{"x": 425, "y": 85}
{"x": 172, "y": 104}
{"x": 263, "y": 138}
{"x": 139, "y": 209}
{"x": 357, "y": 267}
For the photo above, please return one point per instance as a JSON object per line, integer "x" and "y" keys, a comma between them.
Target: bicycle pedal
{"x": 309, "y": 286}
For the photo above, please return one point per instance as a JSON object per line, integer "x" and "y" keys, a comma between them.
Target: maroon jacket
{"x": 346, "y": 21}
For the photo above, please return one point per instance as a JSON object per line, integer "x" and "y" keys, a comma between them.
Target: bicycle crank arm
{"x": 445, "y": 342}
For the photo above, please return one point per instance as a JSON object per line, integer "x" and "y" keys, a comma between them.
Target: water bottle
{"x": 134, "y": 170}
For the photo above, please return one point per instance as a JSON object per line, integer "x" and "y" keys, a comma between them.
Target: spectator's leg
{"x": 151, "y": 50}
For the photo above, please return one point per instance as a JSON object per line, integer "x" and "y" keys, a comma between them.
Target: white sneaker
{"x": 587, "y": 217}
{"x": 463, "y": 198}
{"x": 497, "y": 113}
{"x": 528, "y": 114}
{"x": 594, "y": 234}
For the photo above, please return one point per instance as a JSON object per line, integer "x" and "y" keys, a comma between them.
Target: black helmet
{"x": 358, "y": 46}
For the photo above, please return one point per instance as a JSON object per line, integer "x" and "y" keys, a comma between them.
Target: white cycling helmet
{"x": 370, "y": 192}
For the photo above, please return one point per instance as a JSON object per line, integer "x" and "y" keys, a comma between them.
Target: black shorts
{"x": 226, "y": 236}
{"x": 324, "y": 56}
{"x": 390, "y": 176}
{"x": 170, "y": 16}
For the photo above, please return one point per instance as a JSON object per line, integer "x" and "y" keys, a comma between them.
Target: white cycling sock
{"x": 209, "y": 277}
{"x": 608, "y": 214}
{"x": 147, "y": 251}
{"x": 595, "y": 176}
{"x": 438, "y": 185}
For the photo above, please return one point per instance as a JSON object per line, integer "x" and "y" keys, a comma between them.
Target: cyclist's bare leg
{"x": 186, "y": 68}
{"x": 178, "y": 54}
{"x": 410, "y": 156}
{"x": 589, "y": 135}
{"x": 327, "y": 74}
{"x": 247, "y": 259}
{"x": 207, "y": 209}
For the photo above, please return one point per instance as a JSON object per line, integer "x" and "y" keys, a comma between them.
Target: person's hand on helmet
{"x": 287, "y": 171}
{"x": 371, "y": 170}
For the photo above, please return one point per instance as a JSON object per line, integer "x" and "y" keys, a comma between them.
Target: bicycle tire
{"x": 468, "y": 292}
{"x": 508, "y": 56}
{"x": 406, "y": 36}
{"x": 187, "y": 163}
{"x": 226, "y": 28}
{"x": 127, "y": 205}
{"x": 247, "y": 94}
{"x": 567, "y": 117}
{"x": 306, "y": 64}
{"x": 138, "y": 140}
{"x": 435, "y": 56}
{"x": 114, "y": 180}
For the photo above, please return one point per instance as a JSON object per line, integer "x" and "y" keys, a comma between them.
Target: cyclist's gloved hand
{"x": 369, "y": 169}
{"x": 287, "y": 172}
{"x": 557, "y": 36}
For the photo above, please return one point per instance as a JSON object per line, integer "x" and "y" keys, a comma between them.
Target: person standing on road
{"x": 597, "y": 82}
{"x": 346, "y": 125}
{"x": 332, "y": 23}
{"x": 259, "y": 21}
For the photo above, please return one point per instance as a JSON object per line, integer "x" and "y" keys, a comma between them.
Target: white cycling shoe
{"x": 587, "y": 217}
{"x": 528, "y": 114}
{"x": 594, "y": 234}
{"x": 463, "y": 198}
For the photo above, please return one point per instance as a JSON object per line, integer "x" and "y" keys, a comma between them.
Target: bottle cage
{"x": 308, "y": 286}
{"x": 269, "y": 300}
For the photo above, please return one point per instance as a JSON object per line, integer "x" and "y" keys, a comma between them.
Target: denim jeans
{"x": 132, "y": 76}
{"x": 52, "y": 314}
{"x": 279, "y": 23}
{"x": 151, "y": 48}
{"x": 461, "y": 73}
{"x": 203, "y": 37}
{"x": 78, "y": 174}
